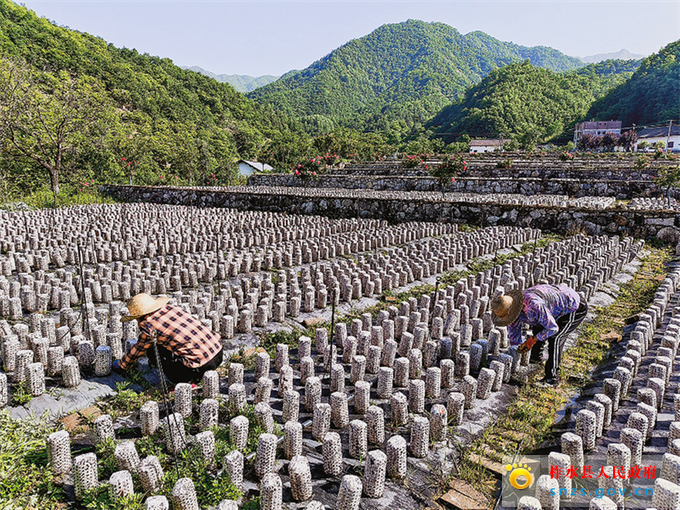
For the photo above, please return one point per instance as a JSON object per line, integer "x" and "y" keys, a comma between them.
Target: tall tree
{"x": 627, "y": 140}
{"x": 48, "y": 119}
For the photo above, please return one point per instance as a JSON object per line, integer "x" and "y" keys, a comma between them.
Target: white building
{"x": 486, "y": 145}
{"x": 248, "y": 167}
{"x": 597, "y": 128}
{"x": 670, "y": 137}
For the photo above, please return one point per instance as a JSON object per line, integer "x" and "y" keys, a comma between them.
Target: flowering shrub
{"x": 411, "y": 161}
{"x": 566, "y": 156}
{"x": 129, "y": 166}
{"x": 448, "y": 169}
{"x": 308, "y": 169}
{"x": 331, "y": 159}
{"x": 504, "y": 163}
{"x": 642, "y": 162}
{"x": 669, "y": 177}
{"x": 85, "y": 186}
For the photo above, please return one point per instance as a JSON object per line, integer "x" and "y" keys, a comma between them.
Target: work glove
{"x": 527, "y": 345}
{"x": 115, "y": 366}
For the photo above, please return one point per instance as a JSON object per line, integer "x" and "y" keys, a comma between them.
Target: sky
{"x": 272, "y": 37}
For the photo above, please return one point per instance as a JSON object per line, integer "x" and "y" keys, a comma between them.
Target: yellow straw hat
{"x": 506, "y": 308}
{"x": 143, "y": 304}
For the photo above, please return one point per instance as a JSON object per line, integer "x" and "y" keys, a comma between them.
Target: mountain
{"x": 397, "y": 77}
{"x": 241, "y": 82}
{"x": 166, "y": 119}
{"x": 619, "y": 55}
{"x": 651, "y": 95}
{"x": 525, "y": 101}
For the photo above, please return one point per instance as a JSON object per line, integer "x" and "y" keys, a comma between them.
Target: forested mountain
{"x": 651, "y": 95}
{"x": 116, "y": 103}
{"x": 618, "y": 55}
{"x": 241, "y": 82}
{"x": 530, "y": 103}
{"x": 397, "y": 77}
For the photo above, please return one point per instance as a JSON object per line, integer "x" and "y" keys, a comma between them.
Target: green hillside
{"x": 651, "y": 95}
{"x": 169, "y": 121}
{"x": 397, "y": 77}
{"x": 527, "y": 102}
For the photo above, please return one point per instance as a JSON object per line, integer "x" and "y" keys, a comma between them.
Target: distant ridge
{"x": 619, "y": 55}
{"x": 241, "y": 82}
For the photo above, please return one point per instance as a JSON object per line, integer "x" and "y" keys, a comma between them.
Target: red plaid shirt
{"x": 180, "y": 333}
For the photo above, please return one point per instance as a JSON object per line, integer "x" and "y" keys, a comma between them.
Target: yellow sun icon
{"x": 520, "y": 475}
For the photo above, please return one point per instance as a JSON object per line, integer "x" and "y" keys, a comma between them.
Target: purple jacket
{"x": 543, "y": 305}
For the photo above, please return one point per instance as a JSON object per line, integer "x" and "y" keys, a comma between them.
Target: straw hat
{"x": 506, "y": 308}
{"x": 143, "y": 304}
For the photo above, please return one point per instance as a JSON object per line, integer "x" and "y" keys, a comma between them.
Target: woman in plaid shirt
{"x": 186, "y": 347}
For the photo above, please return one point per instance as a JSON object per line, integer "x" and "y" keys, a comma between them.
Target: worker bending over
{"x": 552, "y": 311}
{"x": 187, "y": 349}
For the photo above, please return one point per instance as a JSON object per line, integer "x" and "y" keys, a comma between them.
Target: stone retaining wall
{"x": 539, "y": 167}
{"x": 616, "y": 220}
{"x": 621, "y": 189}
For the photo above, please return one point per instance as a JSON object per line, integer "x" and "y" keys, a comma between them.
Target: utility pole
{"x": 576, "y": 134}
{"x": 668, "y": 138}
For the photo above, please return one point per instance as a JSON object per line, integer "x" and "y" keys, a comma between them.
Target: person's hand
{"x": 527, "y": 345}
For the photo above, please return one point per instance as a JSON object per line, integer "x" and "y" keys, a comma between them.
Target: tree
{"x": 528, "y": 137}
{"x": 595, "y": 142}
{"x": 627, "y": 140}
{"x": 669, "y": 177}
{"x": 48, "y": 119}
{"x": 588, "y": 141}
{"x": 284, "y": 149}
{"x": 609, "y": 141}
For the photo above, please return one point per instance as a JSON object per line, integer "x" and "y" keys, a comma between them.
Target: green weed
{"x": 124, "y": 401}
{"x": 100, "y": 498}
{"x": 26, "y": 480}
{"x": 210, "y": 488}
{"x": 21, "y": 394}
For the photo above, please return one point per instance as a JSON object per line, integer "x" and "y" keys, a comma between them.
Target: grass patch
{"x": 210, "y": 488}
{"x": 100, "y": 498}
{"x": 530, "y": 418}
{"x": 292, "y": 339}
{"x": 124, "y": 401}
{"x": 21, "y": 394}
{"x": 68, "y": 196}
{"x": 26, "y": 481}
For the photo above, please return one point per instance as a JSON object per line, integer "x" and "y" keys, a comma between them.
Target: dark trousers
{"x": 566, "y": 324}
{"x": 176, "y": 371}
